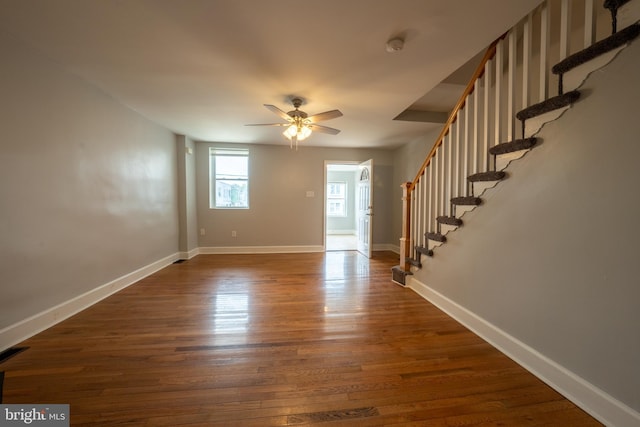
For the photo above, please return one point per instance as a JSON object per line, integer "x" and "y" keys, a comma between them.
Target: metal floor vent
{"x": 10, "y": 352}
{"x": 180, "y": 261}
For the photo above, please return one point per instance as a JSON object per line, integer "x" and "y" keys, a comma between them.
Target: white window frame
{"x": 214, "y": 194}
{"x": 333, "y": 197}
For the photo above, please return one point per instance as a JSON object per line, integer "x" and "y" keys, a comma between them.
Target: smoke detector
{"x": 395, "y": 44}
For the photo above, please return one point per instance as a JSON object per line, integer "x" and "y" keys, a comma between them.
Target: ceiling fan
{"x": 299, "y": 125}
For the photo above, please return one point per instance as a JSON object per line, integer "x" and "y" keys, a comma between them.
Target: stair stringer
{"x": 528, "y": 274}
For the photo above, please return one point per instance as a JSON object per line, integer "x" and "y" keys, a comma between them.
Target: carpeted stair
{"x": 421, "y": 250}
{"x": 600, "y": 48}
{"x": 513, "y": 146}
{"x": 436, "y": 237}
{"x": 449, "y": 220}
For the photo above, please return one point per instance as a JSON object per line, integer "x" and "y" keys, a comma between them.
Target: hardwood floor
{"x": 281, "y": 339}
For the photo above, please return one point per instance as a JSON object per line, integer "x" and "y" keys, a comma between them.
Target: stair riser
{"x": 445, "y": 228}
{"x": 533, "y": 125}
{"x": 434, "y": 244}
{"x": 503, "y": 160}
{"x": 462, "y": 209}
{"x": 480, "y": 187}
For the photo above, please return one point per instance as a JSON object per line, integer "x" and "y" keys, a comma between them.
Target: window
{"x": 229, "y": 174}
{"x": 336, "y": 199}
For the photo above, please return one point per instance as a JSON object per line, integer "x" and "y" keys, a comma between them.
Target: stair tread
{"x": 414, "y": 262}
{"x": 512, "y": 146}
{"x": 449, "y": 220}
{"x": 424, "y": 251}
{"x": 550, "y": 104}
{"x": 466, "y": 201}
{"x": 398, "y": 275}
{"x": 487, "y": 176}
{"x": 437, "y": 237}
{"x": 603, "y": 46}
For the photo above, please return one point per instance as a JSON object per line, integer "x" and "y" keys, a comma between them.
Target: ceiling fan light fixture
{"x": 291, "y": 131}
{"x": 304, "y": 132}
{"x": 300, "y": 132}
{"x": 299, "y": 125}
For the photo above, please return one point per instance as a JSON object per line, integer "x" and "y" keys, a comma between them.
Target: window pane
{"x": 336, "y": 199}
{"x": 229, "y": 170}
{"x": 231, "y": 194}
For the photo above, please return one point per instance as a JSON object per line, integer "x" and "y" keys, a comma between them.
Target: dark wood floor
{"x": 270, "y": 340}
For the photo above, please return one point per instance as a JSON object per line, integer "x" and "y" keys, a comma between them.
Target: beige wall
{"x": 280, "y": 213}
{"x": 87, "y": 186}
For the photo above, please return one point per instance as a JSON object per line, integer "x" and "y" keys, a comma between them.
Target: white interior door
{"x": 364, "y": 217}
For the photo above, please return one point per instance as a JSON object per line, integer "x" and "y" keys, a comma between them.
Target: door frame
{"x": 355, "y": 164}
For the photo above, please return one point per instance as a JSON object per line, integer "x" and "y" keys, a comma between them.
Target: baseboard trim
{"x": 259, "y": 249}
{"x": 386, "y": 247}
{"x": 190, "y": 254}
{"x": 18, "y": 332}
{"x": 341, "y": 232}
{"x": 590, "y": 398}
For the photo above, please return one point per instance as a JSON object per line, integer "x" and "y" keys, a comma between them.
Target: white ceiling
{"x": 205, "y": 67}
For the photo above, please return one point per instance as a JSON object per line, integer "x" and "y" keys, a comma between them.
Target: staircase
{"x": 484, "y": 133}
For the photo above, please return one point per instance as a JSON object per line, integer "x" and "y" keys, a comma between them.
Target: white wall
{"x": 280, "y": 214}
{"x": 87, "y": 186}
{"x": 551, "y": 258}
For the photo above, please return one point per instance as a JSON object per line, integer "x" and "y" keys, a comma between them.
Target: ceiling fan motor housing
{"x": 297, "y": 113}
{"x": 297, "y": 102}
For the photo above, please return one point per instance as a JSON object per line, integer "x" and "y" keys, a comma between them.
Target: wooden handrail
{"x": 489, "y": 54}
{"x": 407, "y": 188}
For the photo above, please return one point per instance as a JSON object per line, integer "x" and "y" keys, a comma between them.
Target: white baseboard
{"x": 190, "y": 254}
{"x": 259, "y": 249}
{"x": 18, "y": 332}
{"x": 386, "y": 247}
{"x": 590, "y": 398}
{"x": 341, "y": 232}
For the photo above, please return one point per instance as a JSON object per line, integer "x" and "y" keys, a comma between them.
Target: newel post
{"x": 405, "y": 239}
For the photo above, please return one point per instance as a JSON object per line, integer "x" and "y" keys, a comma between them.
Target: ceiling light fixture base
{"x": 395, "y": 44}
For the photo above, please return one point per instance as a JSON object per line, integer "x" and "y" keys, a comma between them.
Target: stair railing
{"x": 514, "y": 73}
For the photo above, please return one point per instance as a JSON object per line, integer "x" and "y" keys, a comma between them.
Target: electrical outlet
{"x": 202, "y": 231}
{"x": 234, "y": 234}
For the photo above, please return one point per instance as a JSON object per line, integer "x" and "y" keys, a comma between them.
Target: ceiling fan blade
{"x": 324, "y": 129}
{"x": 278, "y": 111}
{"x": 327, "y": 115}
{"x": 269, "y": 124}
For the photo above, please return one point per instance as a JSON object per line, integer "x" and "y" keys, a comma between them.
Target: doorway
{"x": 343, "y": 218}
